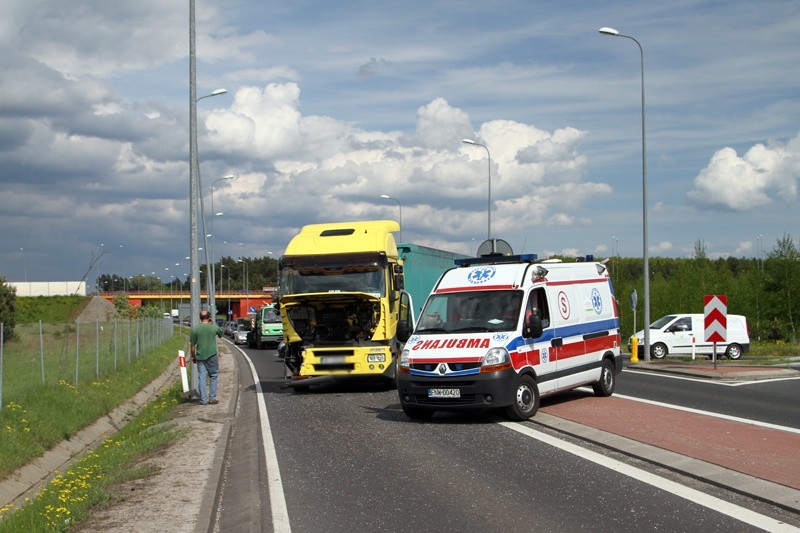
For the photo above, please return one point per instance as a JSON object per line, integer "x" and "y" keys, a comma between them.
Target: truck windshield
{"x": 349, "y": 278}
{"x": 270, "y": 316}
{"x": 475, "y": 311}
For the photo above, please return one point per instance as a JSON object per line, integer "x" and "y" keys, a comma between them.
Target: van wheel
{"x": 605, "y": 387}
{"x": 526, "y": 400}
{"x": 734, "y": 351}
{"x": 658, "y": 350}
{"x": 415, "y": 413}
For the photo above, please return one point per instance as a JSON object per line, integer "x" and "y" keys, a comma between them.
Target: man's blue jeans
{"x": 209, "y": 368}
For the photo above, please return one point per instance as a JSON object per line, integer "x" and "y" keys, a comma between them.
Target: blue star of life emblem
{"x": 597, "y": 301}
{"x": 481, "y": 275}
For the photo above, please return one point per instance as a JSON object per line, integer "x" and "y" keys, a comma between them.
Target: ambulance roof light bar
{"x": 496, "y": 259}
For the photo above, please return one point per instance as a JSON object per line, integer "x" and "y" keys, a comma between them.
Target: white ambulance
{"x": 501, "y": 331}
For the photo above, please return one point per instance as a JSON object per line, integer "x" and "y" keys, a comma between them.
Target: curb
{"x": 207, "y": 515}
{"x": 766, "y": 491}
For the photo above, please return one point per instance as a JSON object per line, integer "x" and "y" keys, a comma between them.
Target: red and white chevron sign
{"x": 715, "y": 320}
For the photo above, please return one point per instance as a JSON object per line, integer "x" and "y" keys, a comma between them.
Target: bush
{"x": 8, "y": 298}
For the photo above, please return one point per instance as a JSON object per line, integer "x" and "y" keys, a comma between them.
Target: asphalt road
{"x": 350, "y": 460}
{"x": 774, "y": 402}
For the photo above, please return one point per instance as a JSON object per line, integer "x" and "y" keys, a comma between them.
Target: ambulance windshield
{"x": 475, "y": 311}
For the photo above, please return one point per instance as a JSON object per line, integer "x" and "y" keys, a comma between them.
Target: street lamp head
{"x": 215, "y": 92}
{"x": 384, "y": 196}
{"x": 605, "y": 30}
{"x": 219, "y": 214}
{"x": 468, "y": 141}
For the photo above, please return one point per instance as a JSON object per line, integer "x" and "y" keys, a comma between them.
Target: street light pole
{"x": 212, "y": 300}
{"x": 400, "y": 214}
{"x": 489, "y": 202}
{"x": 194, "y": 174}
{"x": 645, "y": 253}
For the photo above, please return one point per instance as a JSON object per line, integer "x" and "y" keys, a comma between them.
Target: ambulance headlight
{"x": 496, "y": 356}
{"x": 403, "y": 361}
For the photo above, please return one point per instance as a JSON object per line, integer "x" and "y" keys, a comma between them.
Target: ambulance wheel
{"x": 526, "y": 400}
{"x": 605, "y": 387}
{"x": 658, "y": 350}
{"x": 734, "y": 351}
{"x": 415, "y": 413}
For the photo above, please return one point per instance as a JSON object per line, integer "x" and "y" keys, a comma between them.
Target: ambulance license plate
{"x": 444, "y": 393}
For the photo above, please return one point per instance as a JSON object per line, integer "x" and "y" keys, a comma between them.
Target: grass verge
{"x": 41, "y": 416}
{"x": 70, "y": 497}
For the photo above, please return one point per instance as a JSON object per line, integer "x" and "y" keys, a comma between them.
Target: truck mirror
{"x": 532, "y": 329}
{"x": 399, "y": 282}
{"x": 403, "y": 331}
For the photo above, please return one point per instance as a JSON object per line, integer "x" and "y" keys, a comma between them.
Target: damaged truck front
{"x": 341, "y": 292}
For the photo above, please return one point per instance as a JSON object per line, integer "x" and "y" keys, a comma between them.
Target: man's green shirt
{"x": 204, "y": 336}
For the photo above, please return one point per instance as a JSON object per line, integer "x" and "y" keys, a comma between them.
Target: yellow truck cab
{"x": 339, "y": 301}
{"x": 498, "y": 332}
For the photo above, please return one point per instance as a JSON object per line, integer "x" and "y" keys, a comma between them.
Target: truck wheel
{"x": 734, "y": 351}
{"x": 605, "y": 387}
{"x": 658, "y": 350}
{"x": 415, "y": 413}
{"x": 526, "y": 400}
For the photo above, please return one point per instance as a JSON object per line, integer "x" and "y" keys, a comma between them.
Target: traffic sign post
{"x": 715, "y": 321}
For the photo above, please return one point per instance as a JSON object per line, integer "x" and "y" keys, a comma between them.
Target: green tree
{"x": 8, "y": 298}
{"x": 123, "y": 306}
{"x": 782, "y": 284}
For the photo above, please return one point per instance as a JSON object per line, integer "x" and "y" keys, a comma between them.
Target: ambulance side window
{"x": 537, "y": 303}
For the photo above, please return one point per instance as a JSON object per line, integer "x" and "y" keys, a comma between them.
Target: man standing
{"x": 204, "y": 354}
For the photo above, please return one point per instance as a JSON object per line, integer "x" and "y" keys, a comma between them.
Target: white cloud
{"x": 761, "y": 176}
{"x": 744, "y": 249}
{"x": 660, "y": 248}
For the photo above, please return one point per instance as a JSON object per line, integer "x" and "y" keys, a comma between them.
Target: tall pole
{"x": 489, "y": 199}
{"x": 212, "y": 300}
{"x": 645, "y": 253}
{"x": 400, "y": 213}
{"x": 194, "y": 282}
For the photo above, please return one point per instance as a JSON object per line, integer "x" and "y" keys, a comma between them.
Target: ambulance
{"x": 500, "y": 332}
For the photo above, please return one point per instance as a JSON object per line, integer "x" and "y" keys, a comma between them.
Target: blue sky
{"x": 332, "y": 104}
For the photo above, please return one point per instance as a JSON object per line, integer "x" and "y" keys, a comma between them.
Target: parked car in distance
{"x": 229, "y": 328}
{"x": 240, "y": 335}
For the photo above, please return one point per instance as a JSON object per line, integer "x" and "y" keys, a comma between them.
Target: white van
{"x": 501, "y": 331}
{"x": 679, "y": 334}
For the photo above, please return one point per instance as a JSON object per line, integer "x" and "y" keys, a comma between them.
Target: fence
{"x": 52, "y": 353}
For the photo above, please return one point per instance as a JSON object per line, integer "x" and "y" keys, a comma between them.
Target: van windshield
{"x": 471, "y": 312}
{"x": 663, "y": 321}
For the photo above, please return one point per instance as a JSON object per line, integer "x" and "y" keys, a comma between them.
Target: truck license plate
{"x": 444, "y": 393}
{"x": 332, "y": 359}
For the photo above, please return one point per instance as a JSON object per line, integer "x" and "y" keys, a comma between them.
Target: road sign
{"x": 715, "y": 320}
{"x": 252, "y": 308}
{"x": 634, "y": 299}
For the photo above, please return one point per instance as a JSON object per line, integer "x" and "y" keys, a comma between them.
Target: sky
{"x": 330, "y": 105}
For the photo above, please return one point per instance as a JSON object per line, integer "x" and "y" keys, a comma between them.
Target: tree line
{"x": 765, "y": 290}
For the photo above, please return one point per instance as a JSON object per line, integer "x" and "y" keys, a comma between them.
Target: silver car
{"x": 240, "y": 335}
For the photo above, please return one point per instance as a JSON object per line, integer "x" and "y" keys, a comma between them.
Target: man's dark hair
{"x": 204, "y": 314}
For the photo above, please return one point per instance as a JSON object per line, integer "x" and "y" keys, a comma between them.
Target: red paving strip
{"x": 768, "y": 454}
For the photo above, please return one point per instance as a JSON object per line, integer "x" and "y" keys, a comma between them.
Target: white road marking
{"x": 707, "y": 380}
{"x": 277, "y": 498}
{"x": 716, "y": 504}
{"x": 705, "y": 413}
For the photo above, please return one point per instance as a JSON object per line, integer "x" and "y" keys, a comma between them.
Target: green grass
{"x": 49, "y": 309}
{"x": 70, "y": 497}
{"x": 35, "y": 416}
